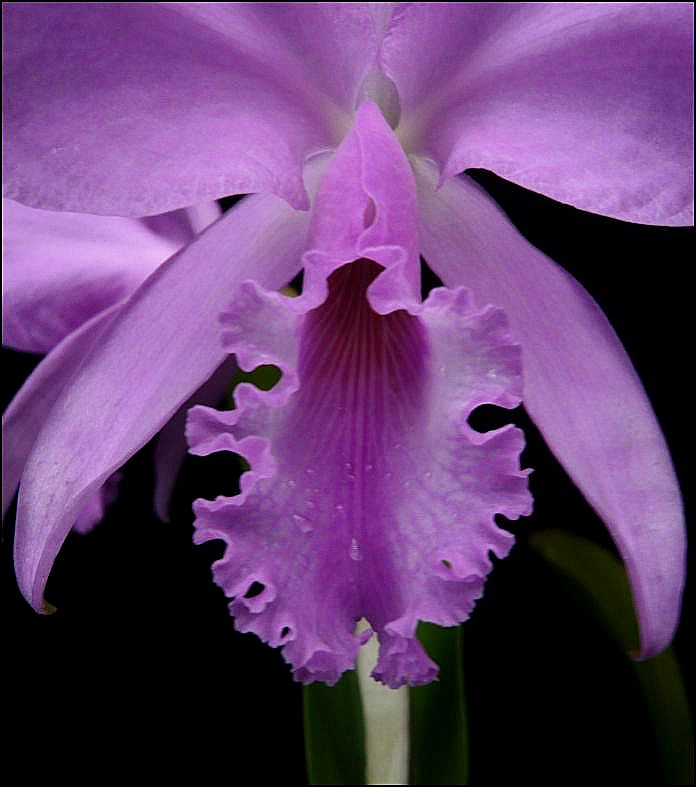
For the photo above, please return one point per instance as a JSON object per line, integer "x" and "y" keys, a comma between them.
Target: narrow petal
{"x": 590, "y": 103}
{"x": 140, "y": 108}
{"x": 368, "y": 495}
{"x": 61, "y": 269}
{"x": 162, "y": 346}
{"x": 180, "y": 226}
{"x": 28, "y": 411}
{"x": 579, "y": 387}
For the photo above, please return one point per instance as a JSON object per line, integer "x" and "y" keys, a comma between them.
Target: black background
{"x": 141, "y": 672}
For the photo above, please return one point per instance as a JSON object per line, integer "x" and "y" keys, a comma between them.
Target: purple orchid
{"x": 368, "y": 495}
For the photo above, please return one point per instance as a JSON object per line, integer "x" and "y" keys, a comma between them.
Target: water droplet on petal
{"x": 355, "y": 553}
{"x": 302, "y": 522}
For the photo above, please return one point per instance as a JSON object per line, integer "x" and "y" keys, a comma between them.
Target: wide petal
{"x": 368, "y": 495}
{"x": 61, "y": 269}
{"x": 140, "y": 108}
{"x": 162, "y": 346}
{"x": 589, "y": 103}
{"x": 579, "y": 387}
{"x": 327, "y": 47}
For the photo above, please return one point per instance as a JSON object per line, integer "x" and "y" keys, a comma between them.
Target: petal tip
{"x": 45, "y": 608}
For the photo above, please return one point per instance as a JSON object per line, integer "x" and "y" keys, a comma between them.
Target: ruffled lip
{"x": 368, "y": 495}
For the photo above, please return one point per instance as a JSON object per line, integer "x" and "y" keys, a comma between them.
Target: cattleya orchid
{"x": 368, "y": 493}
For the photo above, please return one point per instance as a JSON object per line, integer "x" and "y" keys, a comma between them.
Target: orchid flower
{"x": 369, "y": 495}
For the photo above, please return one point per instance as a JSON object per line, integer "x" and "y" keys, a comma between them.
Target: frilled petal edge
{"x": 580, "y": 388}
{"x": 369, "y": 495}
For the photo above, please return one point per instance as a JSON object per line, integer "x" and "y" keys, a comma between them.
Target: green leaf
{"x": 599, "y": 582}
{"x": 438, "y": 724}
{"x": 263, "y": 377}
{"x": 665, "y": 694}
{"x": 334, "y": 732}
